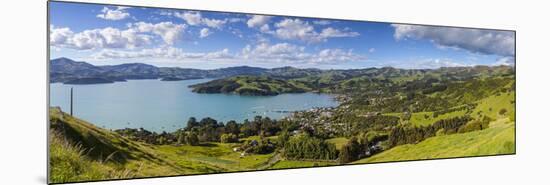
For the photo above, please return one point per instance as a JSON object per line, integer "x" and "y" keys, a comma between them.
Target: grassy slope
{"x": 426, "y": 118}
{"x": 498, "y": 139}
{"x": 72, "y": 161}
{"x": 492, "y": 105}
{"x": 212, "y": 158}
{"x": 69, "y": 163}
{"x": 75, "y": 140}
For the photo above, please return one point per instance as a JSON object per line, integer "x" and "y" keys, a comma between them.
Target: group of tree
{"x": 360, "y": 146}
{"x": 405, "y": 134}
{"x": 304, "y": 146}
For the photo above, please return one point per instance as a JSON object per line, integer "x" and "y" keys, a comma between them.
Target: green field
{"x": 497, "y": 139}
{"x": 338, "y": 141}
{"x": 299, "y": 164}
{"x": 492, "y": 105}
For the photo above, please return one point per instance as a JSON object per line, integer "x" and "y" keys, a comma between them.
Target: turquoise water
{"x": 166, "y": 106}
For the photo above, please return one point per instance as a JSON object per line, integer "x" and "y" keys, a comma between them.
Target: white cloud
{"x": 331, "y": 32}
{"x": 205, "y": 32}
{"x": 196, "y": 19}
{"x": 289, "y": 53}
{"x": 296, "y": 29}
{"x": 262, "y": 53}
{"x": 59, "y": 36}
{"x": 474, "y": 40}
{"x": 372, "y": 50}
{"x": 168, "y": 31}
{"x": 507, "y": 61}
{"x": 291, "y": 29}
{"x": 192, "y": 18}
{"x": 234, "y": 20}
{"x": 161, "y": 53}
{"x": 322, "y": 22}
{"x": 258, "y": 21}
{"x": 114, "y": 14}
{"x": 429, "y": 63}
{"x": 97, "y": 38}
{"x": 137, "y": 35}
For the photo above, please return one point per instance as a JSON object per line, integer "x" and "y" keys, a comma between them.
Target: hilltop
{"x": 249, "y": 85}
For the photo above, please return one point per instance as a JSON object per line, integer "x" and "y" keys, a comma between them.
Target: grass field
{"x": 215, "y": 157}
{"x": 338, "y": 141}
{"x": 497, "y": 139}
{"x": 297, "y": 164}
{"x": 492, "y": 105}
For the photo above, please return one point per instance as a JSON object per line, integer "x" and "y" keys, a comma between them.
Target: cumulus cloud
{"x": 289, "y": 53}
{"x": 162, "y": 52}
{"x": 205, "y": 32}
{"x": 118, "y": 13}
{"x": 97, "y": 38}
{"x": 331, "y": 32}
{"x": 196, "y": 19}
{"x": 296, "y": 29}
{"x": 168, "y": 31}
{"x": 490, "y": 42}
{"x": 137, "y": 35}
{"x": 257, "y": 21}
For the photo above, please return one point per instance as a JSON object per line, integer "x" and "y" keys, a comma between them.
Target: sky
{"x": 110, "y": 35}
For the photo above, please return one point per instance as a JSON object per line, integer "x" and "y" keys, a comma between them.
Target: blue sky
{"x": 108, "y": 35}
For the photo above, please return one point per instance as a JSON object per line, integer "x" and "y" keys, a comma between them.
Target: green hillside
{"x": 497, "y": 139}
{"x": 249, "y": 85}
{"x": 80, "y": 151}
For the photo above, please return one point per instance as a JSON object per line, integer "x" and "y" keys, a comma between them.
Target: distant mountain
{"x": 68, "y": 66}
{"x": 66, "y": 70}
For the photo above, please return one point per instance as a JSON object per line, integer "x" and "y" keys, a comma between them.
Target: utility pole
{"x": 71, "y": 101}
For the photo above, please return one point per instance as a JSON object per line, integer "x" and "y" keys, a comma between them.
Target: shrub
{"x": 229, "y": 138}
{"x": 502, "y": 111}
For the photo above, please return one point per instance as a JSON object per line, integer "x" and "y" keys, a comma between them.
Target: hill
{"x": 497, "y": 139}
{"x": 249, "y": 85}
{"x": 80, "y": 151}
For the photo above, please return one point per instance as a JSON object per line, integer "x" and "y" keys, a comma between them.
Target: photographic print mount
{"x": 143, "y": 92}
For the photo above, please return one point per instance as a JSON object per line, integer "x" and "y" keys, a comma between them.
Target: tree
{"x": 229, "y": 138}
{"x": 192, "y": 139}
{"x": 192, "y": 122}
{"x": 181, "y": 138}
{"x": 350, "y": 151}
{"x": 232, "y": 127}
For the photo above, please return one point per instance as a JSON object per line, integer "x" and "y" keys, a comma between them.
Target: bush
{"x": 263, "y": 146}
{"x": 229, "y": 138}
{"x": 502, "y": 111}
{"x": 306, "y": 147}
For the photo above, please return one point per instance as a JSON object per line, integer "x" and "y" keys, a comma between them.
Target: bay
{"x": 167, "y": 105}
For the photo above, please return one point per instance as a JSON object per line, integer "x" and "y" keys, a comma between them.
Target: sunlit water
{"x": 166, "y": 106}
